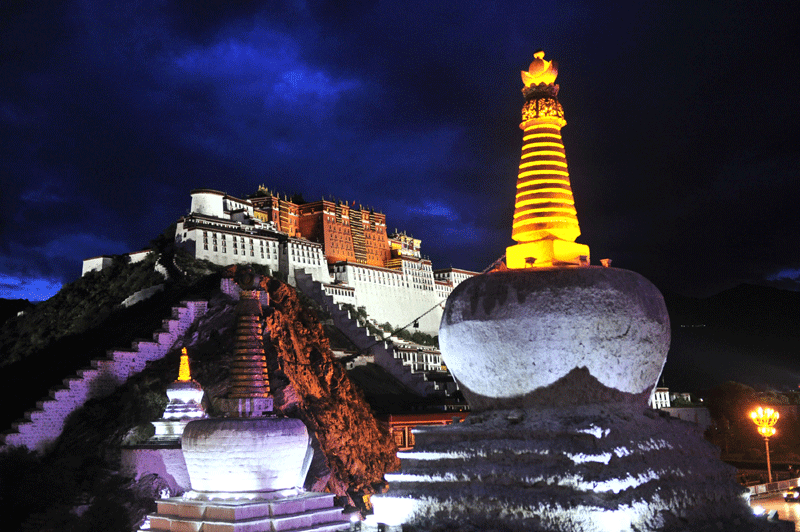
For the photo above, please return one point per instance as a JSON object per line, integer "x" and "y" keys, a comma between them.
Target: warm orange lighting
{"x": 545, "y": 222}
{"x": 540, "y": 145}
{"x": 765, "y": 419}
{"x": 543, "y": 125}
{"x": 544, "y": 195}
{"x": 183, "y": 373}
{"x": 559, "y": 154}
{"x": 540, "y": 71}
{"x": 530, "y": 150}
{"x": 555, "y": 135}
{"x": 542, "y": 172}
{"x": 544, "y": 204}
{"x": 535, "y": 181}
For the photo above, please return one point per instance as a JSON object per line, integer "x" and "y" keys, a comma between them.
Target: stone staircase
{"x": 382, "y": 351}
{"x": 43, "y": 425}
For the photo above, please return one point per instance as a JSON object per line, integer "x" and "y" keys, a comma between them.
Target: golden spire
{"x": 184, "y": 375}
{"x": 545, "y": 221}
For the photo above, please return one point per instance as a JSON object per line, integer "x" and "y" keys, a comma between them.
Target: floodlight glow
{"x": 613, "y": 520}
{"x": 393, "y": 511}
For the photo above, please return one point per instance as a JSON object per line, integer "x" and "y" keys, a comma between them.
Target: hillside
{"x": 55, "y": 338}
{"x": 79, "y": 475}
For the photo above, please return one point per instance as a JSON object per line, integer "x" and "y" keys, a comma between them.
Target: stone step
{"x": 308, "y": 512}
{"x": 102, "y": 376}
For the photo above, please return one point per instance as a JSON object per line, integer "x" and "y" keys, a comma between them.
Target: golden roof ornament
{"x": 540, "y": 71}
{"x": 545, "y": 223}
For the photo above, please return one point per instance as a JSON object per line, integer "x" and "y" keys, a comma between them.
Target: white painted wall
{"x": 209, "y": 203}
{"x": 95, "y": 264}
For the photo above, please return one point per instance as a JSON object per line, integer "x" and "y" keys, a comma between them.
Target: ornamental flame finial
{"x": 184, "y": 375}
{"x": 540, "y": 71}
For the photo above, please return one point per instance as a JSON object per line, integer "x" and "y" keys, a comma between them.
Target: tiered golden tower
{"x": 545, "y": 221}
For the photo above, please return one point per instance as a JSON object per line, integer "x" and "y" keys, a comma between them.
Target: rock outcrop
{"x": 307, "y": 382}
{"x": 352, "y": 450}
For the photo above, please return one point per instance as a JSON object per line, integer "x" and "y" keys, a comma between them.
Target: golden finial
{"x": 540, "y": 71}
{"x": 183, "y": 373}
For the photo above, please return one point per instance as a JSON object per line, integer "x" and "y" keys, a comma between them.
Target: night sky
{"x": 682, "y": 134}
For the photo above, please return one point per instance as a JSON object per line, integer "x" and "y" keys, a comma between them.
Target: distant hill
{"x": 748, "y": 334}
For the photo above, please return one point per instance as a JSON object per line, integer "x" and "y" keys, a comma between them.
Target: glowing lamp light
{"x": 765, "y": 419}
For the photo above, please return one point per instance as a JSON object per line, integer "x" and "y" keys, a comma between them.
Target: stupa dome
{"x": 555, "y": 336}
{"x": 246, "y": 454}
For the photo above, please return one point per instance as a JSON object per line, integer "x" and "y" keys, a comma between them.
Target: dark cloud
{"x": 680, "y": 137}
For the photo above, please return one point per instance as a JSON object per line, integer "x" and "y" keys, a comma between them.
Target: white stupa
{"x": 557, "y": 359}
{"x": 247, "y": 469}
{"x": 185, "y": 404}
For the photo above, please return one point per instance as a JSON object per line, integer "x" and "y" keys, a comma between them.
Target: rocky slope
{"x": 353, "y": 450}
{"x": 310, "y": 384}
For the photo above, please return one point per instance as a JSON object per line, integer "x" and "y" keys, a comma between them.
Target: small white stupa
{"x": 185, "y": 404}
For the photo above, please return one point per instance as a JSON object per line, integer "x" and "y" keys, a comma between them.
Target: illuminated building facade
{"x": 346, "y": 249}
{"x": 347, "y": 234}
{"x": 282, "y": 213}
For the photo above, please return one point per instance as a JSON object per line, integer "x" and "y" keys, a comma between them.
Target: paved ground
{"x": 789, "y": 511}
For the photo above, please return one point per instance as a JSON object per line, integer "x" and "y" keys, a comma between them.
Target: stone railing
{"x": 43, "y": 425}
{"x": 772, "y": 487}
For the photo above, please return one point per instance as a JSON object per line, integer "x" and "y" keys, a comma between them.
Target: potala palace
{"x": 347, "y": 250}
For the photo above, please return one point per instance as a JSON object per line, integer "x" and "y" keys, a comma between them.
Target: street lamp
{"x": 765, "y": 419}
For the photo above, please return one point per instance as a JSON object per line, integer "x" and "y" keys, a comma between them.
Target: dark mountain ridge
{"x": 747, "y": 334}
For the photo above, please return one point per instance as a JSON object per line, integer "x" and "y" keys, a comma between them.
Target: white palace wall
{"x": 389, "y": 297}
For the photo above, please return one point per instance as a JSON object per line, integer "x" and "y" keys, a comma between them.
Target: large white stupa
{"x": 557, "y": 359}
{"x": 247, "y": 469}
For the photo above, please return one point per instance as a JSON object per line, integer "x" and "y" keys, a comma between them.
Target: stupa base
{"x": 285, "y": 510}
{"x": 590, "y": 468}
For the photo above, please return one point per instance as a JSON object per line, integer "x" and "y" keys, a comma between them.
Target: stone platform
{"x": 591, "y": 468}
{"x": 285, "y": 510}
